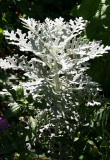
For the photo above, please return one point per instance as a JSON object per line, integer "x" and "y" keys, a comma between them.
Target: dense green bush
{"x": 98, "y": 14}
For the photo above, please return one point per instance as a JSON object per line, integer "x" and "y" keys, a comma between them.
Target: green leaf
{"x": 4, "y": 17}
{"x": 76, "y": 139}
{"x": 20, "y": 93}
{"x": 90, "y": 142}
{"x": 81, "y": 157}
{"x": 24, "y": 15}
{"x": 30, "y": 98}
{"x": 13, "y": 93}
{"x": 1, "y": 31}
{"x": 87, "y": 9}
{"x": 32, "y": 123}
{"x": 12, "y": 111}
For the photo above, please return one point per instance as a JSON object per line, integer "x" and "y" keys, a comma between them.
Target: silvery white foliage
{"x": 52, "y": 42}
{"x": 52, "y": 75}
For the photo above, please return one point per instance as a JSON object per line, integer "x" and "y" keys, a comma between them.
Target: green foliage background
{"x": 98, "y": 28}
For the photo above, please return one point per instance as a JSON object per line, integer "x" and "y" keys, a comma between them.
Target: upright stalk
{"x": 56, "y": 77}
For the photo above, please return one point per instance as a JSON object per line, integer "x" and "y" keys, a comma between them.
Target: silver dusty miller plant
{"x": 56, "y": 73}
